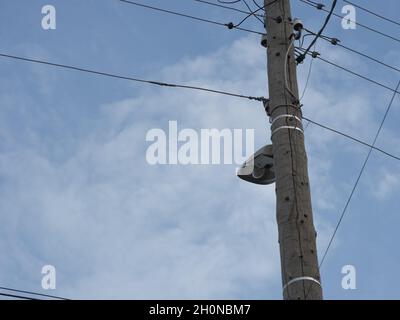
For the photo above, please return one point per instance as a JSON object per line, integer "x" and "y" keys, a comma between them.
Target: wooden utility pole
{"x": 297, "y": 236}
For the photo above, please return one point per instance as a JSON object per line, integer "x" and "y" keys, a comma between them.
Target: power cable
{"x": 372, "y": 12}
{"x": 303, "y": 56}
{"x": 228, "y": 25}
{"x": 111, "y": 75}
{"x": 351, "y": 138}
{"x": 252, "y": 12}
{"x": 355, "y": 22}
{"x": 360, "y": 174}
{"x": 357, "y": 180}
{"x": 16, "y": 296}
{"x": 226, "y": 7}
{"x": 33, "y": 293}
{"x": 315, "y": 55}
{"x": 171, "y": 85}
{"x": 337, "y": 42}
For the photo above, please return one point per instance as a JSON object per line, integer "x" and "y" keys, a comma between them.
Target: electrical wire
{"x": 33, "y": 293}
{"x": 169, "y": 85}
{"x": 308, "y": 79}
{"x": 228, "y": 25}
{"x": 353, "y": 73}
{"x": 358, "y": 75}
{"x": 264, "y": 16}
{"x": 372, "y": 147}
{"x": 360, "y": 174}
{"x": 336, "y": 42}
{"x": 257, "y": 5}
{"x": 111, "y": 75}
{"x": 285, "y": 67}
{"x": 302, "y": 57}
{"x": 16, "y": 296}
{"x": 351, "y": 138}
{"x": 229, "y": 2}
{"x": 252, "y": 12}
{"x": 248, "y": 16}
{"x": 371, "y": 12}
{"x": 355, "y": 22}
{"x": 226, "y": 7}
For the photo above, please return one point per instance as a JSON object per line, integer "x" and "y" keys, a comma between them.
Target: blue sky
{"x": 76, "y": 191}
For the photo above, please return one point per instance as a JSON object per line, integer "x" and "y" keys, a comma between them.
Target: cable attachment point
{"x": 267, "y": 107}
{"x": 335, "y": 41}
{"x": 300, "y": 58}
{"x": 230, "y": 25}
{"x": 315, "y": 54}
{"x": 298, "y": 28}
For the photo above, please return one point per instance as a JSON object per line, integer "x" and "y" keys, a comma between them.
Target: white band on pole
{"x": 300, "y": 279}
{"x": 286, "y": 127}
{"x": 291, "y": 116}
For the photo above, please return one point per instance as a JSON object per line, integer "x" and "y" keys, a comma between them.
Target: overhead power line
{"x": 372, "y": 12}
{"x": 352, "y": 72}
{"x": 356, "y": 22}
{"x": 359, "y": 175}
{"x": 253, "y": 12}
{"x": 116, "y": 76}
{"x": 262, "y": 99}
{"x": 337, "y": 42}
{"x": 351, "y": 138}
{"x": 16, "y": 296}
{"x": 302, "y": 57}
{"x": 358, "y": 75}
{"x": 372, "y": 147}
{"x": 229, "y": 2}
{"x": 33, "y": 293}
{"x": 227, "y": 7}
{"x": 226, "y": 25}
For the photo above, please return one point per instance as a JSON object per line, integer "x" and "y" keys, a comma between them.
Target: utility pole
{"x": 297, "y": 236}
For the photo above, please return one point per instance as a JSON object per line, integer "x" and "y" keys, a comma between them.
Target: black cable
{"x": 336, "y": 42}
{"x": 302, "y": 57}
{"x": 229, "y": 26}
{"x": 360, "y": 174}
{"x": 16, "y": 296}
{"x": 354, "y": 73}
{"x": 33, "y": 293}
{"x": 163, "y": 84}
{"x": 351, "y": 138}
{"x": 229, "y": 2}
{"x": 261, "y": 7}
{"x": 359, "y": 75}
{"x": 357, "y": 23}
{"x": 261, "y": 99}
{"x": 371, "y": 12}
{"x": 308, "y": 79}
{"x": 369, "y": 57}
{"x": 357, "y": 181}
{"x": 252, "y": 11}
{"x": 236, "y": 9}
{"x": 226, "y": 7}
{"x": 248, "y": 16}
